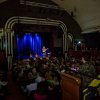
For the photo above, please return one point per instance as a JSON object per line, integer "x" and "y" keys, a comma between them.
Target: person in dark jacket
{"x": 87, "y": 70}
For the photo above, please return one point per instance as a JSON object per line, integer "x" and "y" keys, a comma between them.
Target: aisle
{"x": 14, "y": 92}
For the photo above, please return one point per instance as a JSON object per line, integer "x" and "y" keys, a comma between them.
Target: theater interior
{"x": 49, "y": 50}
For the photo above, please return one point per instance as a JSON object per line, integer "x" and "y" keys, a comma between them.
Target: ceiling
{"x": 85, "y": 12}
{"x": 2, "y": 1}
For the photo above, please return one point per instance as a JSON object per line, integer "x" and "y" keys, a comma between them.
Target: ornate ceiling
{"x": 85, "y": 12}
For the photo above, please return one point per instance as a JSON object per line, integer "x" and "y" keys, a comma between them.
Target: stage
{"x": 30, "y": 43}
{"x": 27, "y": 57}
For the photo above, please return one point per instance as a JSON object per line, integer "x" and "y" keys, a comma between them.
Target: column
{"x": 8, "y": 46}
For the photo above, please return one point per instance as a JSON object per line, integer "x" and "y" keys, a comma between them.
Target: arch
{"x": 28, "y": 20}
{"x": 71, "y": 38}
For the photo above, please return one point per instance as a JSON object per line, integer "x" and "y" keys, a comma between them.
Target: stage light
{"x": 79, "y": 42}
{"x": 29, "y": 43}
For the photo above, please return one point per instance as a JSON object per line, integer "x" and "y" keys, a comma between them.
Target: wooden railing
{"x": 70, "y": 86}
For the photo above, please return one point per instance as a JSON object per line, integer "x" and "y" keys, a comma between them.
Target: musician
{"x": 44, "y": 49}
{"x": 31, "y": 55}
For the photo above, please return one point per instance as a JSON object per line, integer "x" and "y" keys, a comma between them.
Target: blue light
{"x": 29, "y": 43}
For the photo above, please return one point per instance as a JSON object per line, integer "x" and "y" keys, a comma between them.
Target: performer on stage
{"x": 44, "y": 51}
{"x": 31, "y": 55}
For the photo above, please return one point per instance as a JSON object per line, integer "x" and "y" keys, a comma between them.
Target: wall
{"x": 12, "y": 8}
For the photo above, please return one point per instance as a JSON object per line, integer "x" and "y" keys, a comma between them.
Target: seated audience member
{"x": 2, "y": 83}
{"x": 30, "y": 75}
{"x": 42, "y": 90}
{"x": 31, "y": 87}
{"x": 39, "y": 78}
{"x": 92, "y": 92}
{"x": 53, "y": 90}
{"x": 48, "y": 75}
{"x": 34, "y": 72}
{"x": 3, "y": 87}
{"x": 27, "y": 64}
{"x": 87, "y": 70}
{"x": 20, "y": 74}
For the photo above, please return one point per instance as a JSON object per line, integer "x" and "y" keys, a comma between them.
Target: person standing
{"x": 86, "y": 70}
{"x": 44, "y": 49}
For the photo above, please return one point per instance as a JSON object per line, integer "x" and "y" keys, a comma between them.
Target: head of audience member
{"x": 30, "y": 75}
{"x": 86, "y": 56}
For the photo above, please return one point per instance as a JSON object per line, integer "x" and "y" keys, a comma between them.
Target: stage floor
{"x": 27, "y": 57}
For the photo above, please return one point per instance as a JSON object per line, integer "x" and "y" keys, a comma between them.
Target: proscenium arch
{"x": 70, "y": 36}
{"x": 28, "y": 20}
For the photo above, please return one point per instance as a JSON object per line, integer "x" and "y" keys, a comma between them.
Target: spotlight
{"x": 79, "y": 42}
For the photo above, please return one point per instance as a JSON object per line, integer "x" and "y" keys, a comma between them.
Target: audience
{"x": 43, "y": 75}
